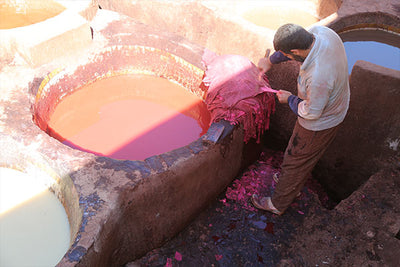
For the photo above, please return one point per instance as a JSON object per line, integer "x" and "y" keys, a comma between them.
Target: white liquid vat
{"x": 34, "y": 228}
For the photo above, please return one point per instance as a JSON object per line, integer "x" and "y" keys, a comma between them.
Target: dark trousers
{"x": 304, "y": 150}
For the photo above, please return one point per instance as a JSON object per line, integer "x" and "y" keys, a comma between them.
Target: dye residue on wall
{"x": 130, "y": 117}
{"x": 14, "y": 13}
{"x": 34, "y": 228}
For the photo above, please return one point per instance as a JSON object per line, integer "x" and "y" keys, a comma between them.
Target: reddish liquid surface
{"x": 130, "y": 117}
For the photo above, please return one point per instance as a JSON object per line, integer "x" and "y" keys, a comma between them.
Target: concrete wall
{"x": 155, "y": 208}
{"x": 200, "y": 24}
{"x": 49, "y": 39}
{"x": 327, "y": 7}
{"x": 136, "y": 206}
{"x": 370, "y": 135}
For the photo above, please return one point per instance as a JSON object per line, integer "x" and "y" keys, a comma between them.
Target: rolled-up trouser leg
{"x": 304, "y": 150}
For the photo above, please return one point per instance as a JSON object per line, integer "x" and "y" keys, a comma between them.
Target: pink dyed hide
{"x": 237, "y": 94}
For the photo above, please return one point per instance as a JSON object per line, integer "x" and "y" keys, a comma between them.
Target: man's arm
{"x": 292, "y": 100}
{"x": 265, "y": 63}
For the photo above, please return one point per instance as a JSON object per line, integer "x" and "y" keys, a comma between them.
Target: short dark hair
{"x": 292, "y": 36}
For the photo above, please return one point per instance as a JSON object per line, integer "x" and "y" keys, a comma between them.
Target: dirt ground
{"x": 361, "y": 230}
{"x": 231, "y": 232}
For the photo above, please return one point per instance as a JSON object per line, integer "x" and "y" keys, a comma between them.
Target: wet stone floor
{"x": 231, "y": 232}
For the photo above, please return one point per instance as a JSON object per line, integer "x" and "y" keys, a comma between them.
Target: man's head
{"x": 293, "y": 40}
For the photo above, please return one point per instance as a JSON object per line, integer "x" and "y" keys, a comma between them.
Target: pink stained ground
{"x": 130, "y": 117}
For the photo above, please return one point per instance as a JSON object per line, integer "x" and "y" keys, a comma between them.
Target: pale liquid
{"x": 18, "y": 13}
{"x": 34, "y": 228}
{"x": 375, "y": 52}
{"x": 129, "y": 117}
{"x": 273, "y": 17}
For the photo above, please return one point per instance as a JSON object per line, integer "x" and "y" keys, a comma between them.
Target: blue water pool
{"x": 378, "y": 46}
{"x": 375, "y": 52}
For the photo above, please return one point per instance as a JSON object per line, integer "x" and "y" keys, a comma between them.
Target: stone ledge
{"x": 41, "y": 42}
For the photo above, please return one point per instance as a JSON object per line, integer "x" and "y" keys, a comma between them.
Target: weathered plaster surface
{"x": 123, "y": 203}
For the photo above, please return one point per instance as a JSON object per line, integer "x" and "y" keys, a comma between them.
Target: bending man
{"x": 321, "y": 105}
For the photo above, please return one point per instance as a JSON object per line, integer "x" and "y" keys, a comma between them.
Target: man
{"x": 321, "y": 105}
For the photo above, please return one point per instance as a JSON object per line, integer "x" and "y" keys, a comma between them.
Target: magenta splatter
{"x": 218, "y": 257}
{"x": 178, "y": 256}
{"x": 169, "y": 262}
{"x": 224, "y": 201}
{"x": 256, "y": 180}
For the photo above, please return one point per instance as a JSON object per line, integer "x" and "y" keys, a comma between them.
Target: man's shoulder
{"x": 322, "y": 30}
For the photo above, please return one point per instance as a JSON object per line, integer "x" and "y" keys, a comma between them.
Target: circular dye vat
{"x": 129, "y": 117}
{"x": 34, "y": 228}
{"x": 273, "y": 17}
{"x": 375, "y": 46}
{"x": 15, "y": 14}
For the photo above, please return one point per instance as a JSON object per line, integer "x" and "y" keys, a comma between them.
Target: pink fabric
{"x": 236, "y": 94}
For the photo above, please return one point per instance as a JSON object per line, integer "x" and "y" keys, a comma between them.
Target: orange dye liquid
{"x": 129, "y": 117}
{"x": 14, "y": 13}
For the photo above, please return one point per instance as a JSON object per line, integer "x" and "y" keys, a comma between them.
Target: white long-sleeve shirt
{"x": 323, "y": 82}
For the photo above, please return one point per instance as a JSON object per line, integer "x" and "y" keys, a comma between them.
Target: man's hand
{"x": 264, "y": 64}
{"x": 283, "y": 96}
